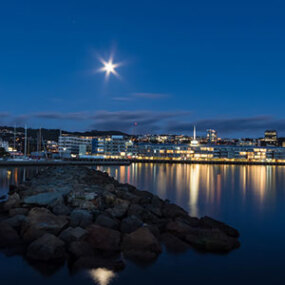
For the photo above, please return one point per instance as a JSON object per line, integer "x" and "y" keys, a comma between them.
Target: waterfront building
{"x": 211, "y": 136}
{"x": 74, "y": 145}
{"x": 4, "y": 144}
{"x": 113, "y": 146}
{"x": 270, "y": 138}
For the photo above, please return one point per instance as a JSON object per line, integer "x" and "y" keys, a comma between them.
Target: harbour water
{"x": 250, "y": 198}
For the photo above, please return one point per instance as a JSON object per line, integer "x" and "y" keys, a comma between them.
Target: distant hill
{"x": 53, "y": 134}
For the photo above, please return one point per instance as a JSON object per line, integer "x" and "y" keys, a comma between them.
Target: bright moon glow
{"x": 109, "y": 67}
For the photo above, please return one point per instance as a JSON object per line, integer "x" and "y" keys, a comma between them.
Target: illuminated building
{"x": 73, "y": 145}
{"x": 194, "y": 142}
{"x": 270, "y": 137}
{"x": 211, "y": 136}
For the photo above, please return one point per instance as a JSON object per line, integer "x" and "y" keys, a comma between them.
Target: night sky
{"x": 216, "y": 64}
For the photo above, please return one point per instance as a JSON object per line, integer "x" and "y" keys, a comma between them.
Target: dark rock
{"x": 173, "y": 243}
{"x": 61, "y": 209}
{"x": 141, "y": 245}
{"x": 41, "y": 221}
{"x": 46, "y": 248}
{"x": 178, "y": 228}
{"x": 43, "y": 199}
{"x": 211, "y": 223}
{"x": 73, "y": 234}
{"x": 136, "y": 210}
{"x": 80, "y": 218}
{"x": 12, "y": 202}
{"x": 107, "y": 222}
{"x": 211, "y": 240}
{"x": 104, "y": 238}
{"x": 173, "y": 211}
{"x": 8, "y": 236}
{"x": 18, "y": 211}
{"x": 80, "y": 248}
{"x": 13, "y": 188}
{"x": 16, "y": 221}
{"x": 130, "y": 224}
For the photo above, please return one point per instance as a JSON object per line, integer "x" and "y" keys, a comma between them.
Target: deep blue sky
{"x": 218, "y": 64}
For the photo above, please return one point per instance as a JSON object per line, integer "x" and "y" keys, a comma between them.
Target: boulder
{"x": 109, "y": 187}
{"x": 16, "y": 221}
{"x": 80, "y": 248}
{"x": 80, "y": 218}
{"x": 8, "y": 236}
{"x": 103, "y": 238}
{"x": 173, "y": 243}
{"x": 73, "y": 234}
{"x": 107, "y": 222}
{"x": 41, "y": 221}
{"x": 211, "y": 223}
{"x": 120, "y": 208}
{"x": 141, "y": 245}
{"x": 178, "y": 229}
{"x": 212, "y": 240}
{"x": 46, "y": 248}
{"x": 136, "y": 210}
{"x": 130, "y": 224}
{"x": 172, "y": 211}
{"x": 61, "y": 209}
{"x": 155, "y": 206}
{"x": 43, "y": 199}
{"x": 12, "y": 202}
{"x": 18, "y": 211}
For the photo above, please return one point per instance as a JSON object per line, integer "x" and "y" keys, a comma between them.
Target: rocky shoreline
{"x": 86, "y": 217}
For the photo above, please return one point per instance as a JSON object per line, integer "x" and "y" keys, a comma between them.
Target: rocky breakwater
{"x": 91, "y": 220}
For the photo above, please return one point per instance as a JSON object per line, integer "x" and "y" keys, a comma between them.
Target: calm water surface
{"x": 251, "y": 198}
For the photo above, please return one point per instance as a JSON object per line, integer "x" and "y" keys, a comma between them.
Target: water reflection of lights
{"x": 102, "y": 276}
{"x": 194, "y": 189}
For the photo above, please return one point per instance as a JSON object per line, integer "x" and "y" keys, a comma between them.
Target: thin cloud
{"x": 141, "y": 95}
{"x": 150, "y": 95}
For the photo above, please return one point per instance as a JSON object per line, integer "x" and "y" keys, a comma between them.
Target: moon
{"x": 109, "y": 67}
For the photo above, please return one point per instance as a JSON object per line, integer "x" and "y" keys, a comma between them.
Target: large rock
{"x": 212, "y": 240}
{"x": 18, "y": 211}
{"x": 61, "y": 209}
{"x": 211, "y": 223}
{"x": 120, "y": 208}
{"x": 12, "y": 202}
{"x": 73, "y": 234}
{"x": 8, "y": 236}
{"x": 16, "y": 221}
{"x": 141, "y": 245}
{"x": 172, "y": 211}
{"x": 130, "y": 224}
{"x": 43, "y": 199}
{"x": 80, "y": 218}
{"x": 46, "y": 248}
{"x": 107, "y": 222}
{"x": 80, "y": 248}
{"x": 173, "y": 243}
{"x": 103, "y": 238}
{"x": 41, "y": 221}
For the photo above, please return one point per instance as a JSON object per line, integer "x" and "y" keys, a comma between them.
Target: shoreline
{"x": 126, "y": 162}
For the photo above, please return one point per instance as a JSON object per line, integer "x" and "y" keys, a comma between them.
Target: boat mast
{"x": 14, "y": 140}
{"x": 26, "y": 137}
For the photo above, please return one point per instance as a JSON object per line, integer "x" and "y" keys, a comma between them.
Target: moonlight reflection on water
{"x": 102, "y": 276}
